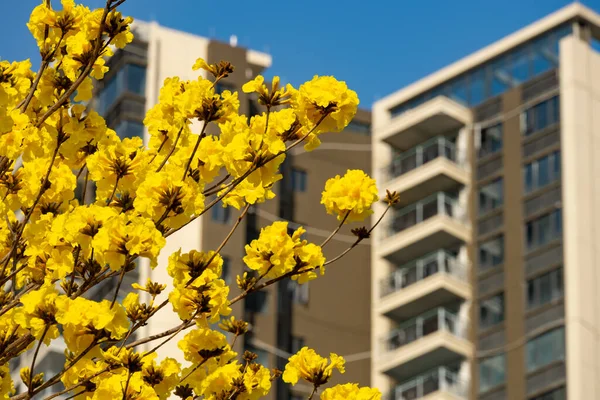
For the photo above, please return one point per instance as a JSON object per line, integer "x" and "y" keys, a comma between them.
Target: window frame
{"x": 487, "y": 143}
{"x": 556, "y": 288}
{"x": 487, "y": 266}
{"x": 299, "y": 180}
{"x": 540, "y": 116}
{"x": 492, "y": 383}
{"x": 492, "y": 319}
{"x": 546, "y": 349}
{"x": 490, "y": 204}
{"x": 554, "y": 171}
{"x": 553, "y": 219}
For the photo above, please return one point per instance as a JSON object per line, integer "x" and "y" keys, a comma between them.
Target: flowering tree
{"x": 54, "y": 248}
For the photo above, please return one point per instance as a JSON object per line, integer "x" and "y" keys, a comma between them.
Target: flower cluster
{"x": 82, "y": 208}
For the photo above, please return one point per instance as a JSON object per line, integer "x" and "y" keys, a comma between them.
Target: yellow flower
{"x": 164, "y": 192}
{"x": 7, "y": 386}
{"x": 83, "y": 319}
{"x": 308, "y": 365}
{"x": 161, "y": 377}
{"x": 324, "y": 99}
{"x": 192, "y": 267}
{"x": 311, "y": 257}
{"x": 257, "y": 381}
{"x": 272, "y": 254}
{"x": 124, "y": 235}
{"x": 203, "y": 343}
{"x": 38, "y": 313}
{"x": 270, "y": 99}
{"x": 350, "y": 391}
{"x": 352, "y": 194}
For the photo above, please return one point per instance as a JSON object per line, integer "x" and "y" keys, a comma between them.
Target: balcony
{"x": 425, "y": 169}
{"x": 437, "y": 221}
{"x": 431, "y": 281}
{"x": 422, "y": 343}
{"x": 437, "y": 116}
{"x": 438, "y": 383}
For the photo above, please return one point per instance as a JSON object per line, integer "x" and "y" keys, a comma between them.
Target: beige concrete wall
{"x": 580, "y": 136}
{"x": 169, "y": 54}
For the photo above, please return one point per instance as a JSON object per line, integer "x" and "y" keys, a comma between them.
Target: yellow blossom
{"x": 311, "y": 367}
{"x": 350, "y": 391}
{"x": 352, "y": 195}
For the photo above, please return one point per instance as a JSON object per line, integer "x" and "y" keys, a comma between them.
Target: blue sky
{"x": 376, "y": 46}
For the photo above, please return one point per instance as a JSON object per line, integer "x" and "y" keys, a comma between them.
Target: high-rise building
{"x": 330, "y": 314}
{"x": 485, "y": 282}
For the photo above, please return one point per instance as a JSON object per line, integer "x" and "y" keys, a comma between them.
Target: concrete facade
{"x": 517, "y": 171}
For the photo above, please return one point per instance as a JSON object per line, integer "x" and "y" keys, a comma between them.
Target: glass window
{"x": 555, "y": 394}
{"x": 359, "y": 127}
{"x": 545, "y": 349}
{"x": 297, "y": 343}
{"x": 496, "y": 76}
{"x": 490, "y": 196}
{"x": 136, "y": 79}
{"x": 477, "y": 86}
{"x": 300, "y": 293}
{"x": 543, "y": 229}
{"x": 298, "y": 180}
{"x": 542, "y": 171}
{"x": 491, "y": 253}
{"x": 221, "y": 86}
{"x": 130, "y": 129}
{"x": 501, "y": 78}
{"x": 541, "y": 116}
{"x": 491, "y": 311}
{"x": 543, "y": 57}
{"x": 257, "y": 302}
{"x": 263, "y": 356}
{"x": 491, "y": 140}
{"x": 491, "y": 372}
{"x": 220, "y": 214}
{"x": 520, "y": 65}
{"x": 226, "y": 269}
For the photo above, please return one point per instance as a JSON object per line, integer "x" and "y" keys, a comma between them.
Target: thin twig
{"x": 162, "y": 164}
{"x": 35, "y": 354}
{"x": 336, "y": 229}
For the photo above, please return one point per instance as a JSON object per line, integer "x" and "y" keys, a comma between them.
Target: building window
{"x": 263, "y": 356}
{"x": 226, "y": 270}
{"x": 300, "y": 293}
{"x": 491, "y": 140}
{"x": 298, "y": 180}
{"x": 542, "y": 171}
{"x": 220, "y": 214}
{"x": 491, "y": 196}
{"x": 130, "y": 129}
{"x": 491, "y": 253}
{"x": 221, "y": 86}
{"x": 540, "y": 116}
{"x": 555, "y": 394}
{"x": 543, "y": 229}
{"x": 364, "y": 128}
{"x": 297, "y": 344}
{"x": 498, "y": 75}
{"x": 257, "y": 302}
{"x": 491, "y": 372}
{"x": 545, "y": 349}
{"x": 491, "y": 311}
{"x": 545, "y": 288}
{"x": 130, "y": 78}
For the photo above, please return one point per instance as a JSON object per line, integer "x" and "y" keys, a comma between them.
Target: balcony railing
{"x": 419, "y": 155}
{"x": 438, "y": 319}
{"x": 440, "y": 261}
{"x": 436, "y": 204}
{"x": 439, "y": 379}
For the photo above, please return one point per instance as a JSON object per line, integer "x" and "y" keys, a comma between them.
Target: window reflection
{"x": 130, "y": 78}
{"x": 497, "y": 76}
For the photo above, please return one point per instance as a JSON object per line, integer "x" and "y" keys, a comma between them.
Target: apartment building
{"x": 330, "y": 314}
{"x": 484, "y": 282}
